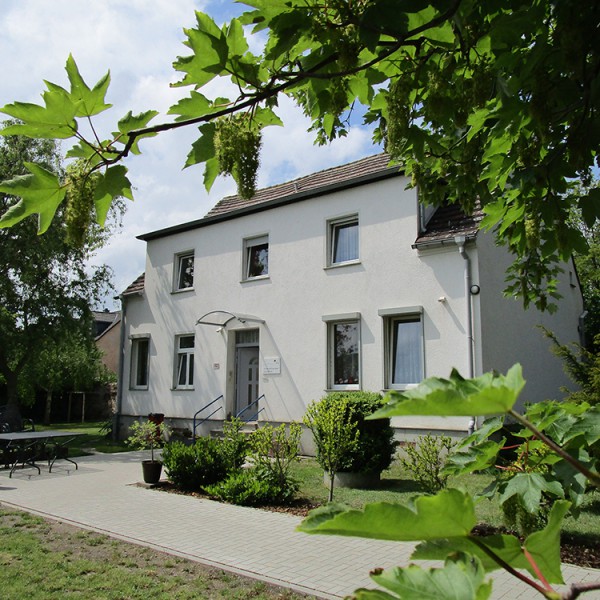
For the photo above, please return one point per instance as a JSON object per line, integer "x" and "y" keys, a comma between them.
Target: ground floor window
{"x": 184, "y": 368}
{"x": 344, "y": 355}
{"x": 404, "y": 350}
{"x": 140, "y": 353}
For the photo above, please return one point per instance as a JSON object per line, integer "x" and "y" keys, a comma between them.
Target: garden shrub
{"x": 425, "y": 461}
{"x": 234, "y": 443}
{"x": 193, "y": 467}
{"x": 375, "y": 445}
{"x": 268, "y": 480}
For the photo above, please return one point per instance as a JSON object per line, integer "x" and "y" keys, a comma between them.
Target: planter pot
{"x": 346, "y": 479}
{"x": 151, "y": 471}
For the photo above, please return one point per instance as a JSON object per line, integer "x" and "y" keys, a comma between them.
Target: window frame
{"x": 249, "y": 244}
{"x": 178, "y": 271}
{"x": 134, "y": 363}
{"x": 391, "y": 319}
{"x": 188, "y": 353}
{"x": 333, "y": 227}
{"x": 332, "y": 321}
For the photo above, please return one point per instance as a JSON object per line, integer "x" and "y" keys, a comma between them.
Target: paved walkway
{"x": 102, "y": 496}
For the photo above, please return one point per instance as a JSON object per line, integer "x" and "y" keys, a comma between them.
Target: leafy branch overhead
{"x": 495, "y": 102}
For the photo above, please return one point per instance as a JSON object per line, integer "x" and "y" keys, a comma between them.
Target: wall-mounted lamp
{"x": 474, "y": 289}
{"x": 442, "y": 299}
{"x": 219, "y": 329}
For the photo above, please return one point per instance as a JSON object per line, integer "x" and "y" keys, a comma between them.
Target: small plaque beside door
{"x": 272, "y": 365}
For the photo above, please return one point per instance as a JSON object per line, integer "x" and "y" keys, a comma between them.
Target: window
{"x": 403, "y": 350}
{"x": 184, "y": 369}
{"x": 256, "y": 257}
{"x": 344, "y": 354}
{"x": 140, "y": 354}
{"x": 343, "y": 240}
{"x": 184, "y": 275}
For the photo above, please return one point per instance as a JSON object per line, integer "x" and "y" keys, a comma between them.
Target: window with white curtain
{"x": 343, "y": 240}
{"x": 404, "y": 350}
{"x": 184, "y": 362}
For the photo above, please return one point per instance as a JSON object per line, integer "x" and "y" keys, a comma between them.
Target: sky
{"x": 137, "y": 41}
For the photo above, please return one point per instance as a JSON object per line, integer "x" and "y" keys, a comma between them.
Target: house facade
{"x": 340, "y": 280}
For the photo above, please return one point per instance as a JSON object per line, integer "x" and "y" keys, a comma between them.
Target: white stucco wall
{"x": 293, "y": 300}
{"x": 511, "y": 334}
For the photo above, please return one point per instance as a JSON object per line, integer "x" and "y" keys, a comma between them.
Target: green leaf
{"x": 476, "y": 458}
{"x": 55, "y": 120}
{"x": 461, "y": 578}
{"x": 529, "y": 487}
{"x": 203, "y": 149}
{"x": 111, "y": 184}
{"x": 91, "y": 102}
{"x": 131, "y": 122}
{"x": 485, "y": 395}
{"x": 543, "y": 546}
{"x": 450, "y": 513}
{"x": 210, "y": 52}
{"x": 40, "y": 193}
{"x": 197, "y": 105}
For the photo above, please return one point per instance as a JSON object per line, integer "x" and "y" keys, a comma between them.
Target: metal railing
{"x": 198, "y": 422}
{"x": 254, "y": 415}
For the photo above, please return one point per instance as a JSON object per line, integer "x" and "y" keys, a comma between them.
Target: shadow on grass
{"x": 399, "y": 485}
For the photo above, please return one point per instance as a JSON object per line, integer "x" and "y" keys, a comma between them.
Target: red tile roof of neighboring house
{"x": 136, "y": 287}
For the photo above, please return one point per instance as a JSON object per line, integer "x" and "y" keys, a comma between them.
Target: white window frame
{"x": 333, "y": 227}
{"x": 178, "y": 273}
{"x": 332, "y": 322}
{"x": 136, "y": 342}
{"x": 391, "y": 318}
{"x": 249, "y": 244}
{"x": 184, "y": 355}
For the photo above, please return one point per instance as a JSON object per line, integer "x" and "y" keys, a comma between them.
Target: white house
{"x": 340, "y": 280}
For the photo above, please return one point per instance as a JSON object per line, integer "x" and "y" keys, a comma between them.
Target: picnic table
{"x": 24, "y": 448}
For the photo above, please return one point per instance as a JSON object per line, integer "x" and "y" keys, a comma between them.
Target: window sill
{"x": 344, "y": 388}
{"x": 182, "y": 290}
{"x": 347, "y": 263}
{"x": 182, "y": 389}
{"x": 259, "y": 278}
{"x": 138, "y": 389}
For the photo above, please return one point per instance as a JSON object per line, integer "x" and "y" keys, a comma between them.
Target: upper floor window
{"x": 140, "y": 355}
{"x": 184, "y": 362}
{"x": 256, "y": 257}
{"x": 184, "y": 273}
{"x": 343, "y": 240}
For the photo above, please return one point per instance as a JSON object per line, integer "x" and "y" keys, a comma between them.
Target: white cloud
{"x": 138, "y": 40}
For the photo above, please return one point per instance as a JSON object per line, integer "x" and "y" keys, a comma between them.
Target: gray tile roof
{"x": 136, "y": 287}
{"x": 449, "y": 221}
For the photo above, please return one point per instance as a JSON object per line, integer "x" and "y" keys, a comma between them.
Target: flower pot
{"x": 347, "y": 479}
{"x": 151, "y": 471}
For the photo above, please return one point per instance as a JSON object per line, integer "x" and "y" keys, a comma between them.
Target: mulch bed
{"x": 573, "y": 550}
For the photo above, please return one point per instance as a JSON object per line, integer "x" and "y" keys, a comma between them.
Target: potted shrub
{"x": 352, "y": 450}
{"x": 148, "y": 435}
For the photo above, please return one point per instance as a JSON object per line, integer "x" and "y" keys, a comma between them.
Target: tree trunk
{"x": 12, "y": 392}
{"x": 48, "y": 407}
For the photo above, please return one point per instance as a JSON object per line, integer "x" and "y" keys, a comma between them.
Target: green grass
{"x": 46, "y": 560}
{"x": 93, "y": 437}
{"x": 397, "y": 486}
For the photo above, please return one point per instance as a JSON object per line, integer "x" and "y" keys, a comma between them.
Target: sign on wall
{"x": 272, "y": 365}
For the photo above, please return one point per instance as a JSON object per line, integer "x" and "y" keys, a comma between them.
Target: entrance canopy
{"x": 221, "y": 318}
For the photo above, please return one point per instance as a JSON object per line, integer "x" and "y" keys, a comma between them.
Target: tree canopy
{"x": 46, "y": 288}
{"x": 493, "y": 102}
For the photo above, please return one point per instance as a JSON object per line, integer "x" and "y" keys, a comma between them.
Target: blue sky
{"x": 137, "y": 40}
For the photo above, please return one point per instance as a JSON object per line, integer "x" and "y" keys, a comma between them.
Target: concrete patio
{"x": 102, "y": 496}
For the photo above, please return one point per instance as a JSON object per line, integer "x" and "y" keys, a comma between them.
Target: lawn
{"x": 94, "y": 436}
{"x": 48, "y": 560}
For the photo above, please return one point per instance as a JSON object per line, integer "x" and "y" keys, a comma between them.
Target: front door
{"x": 246, "y": 382}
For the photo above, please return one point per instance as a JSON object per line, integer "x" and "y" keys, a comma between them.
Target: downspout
{"x": 460, "y": 241}
{"x": 117, "y": 417}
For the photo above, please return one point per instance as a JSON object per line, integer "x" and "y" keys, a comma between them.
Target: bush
{"x": 191, "y": 468}
{"x": 268, "y": 481}
{"x": 375, "y": 446}
{"x": 234, "y": 443}
{"x": 426, "y": 460}
{"x": 251, "y": 487}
